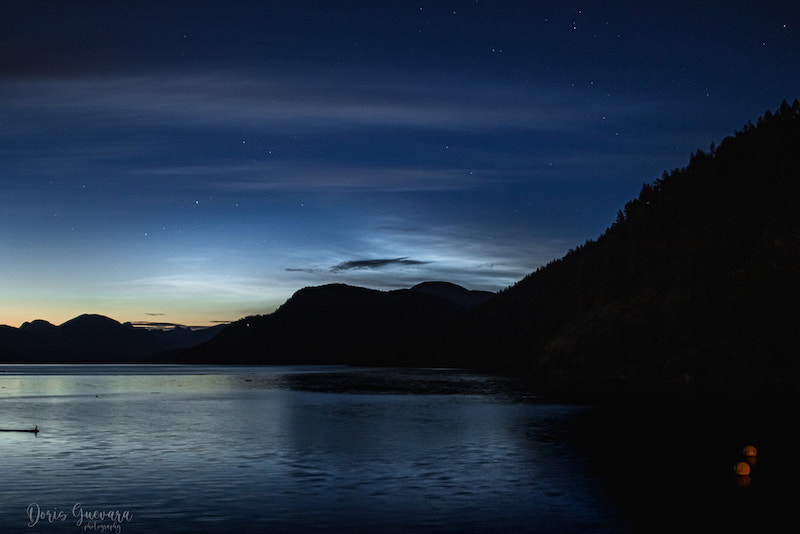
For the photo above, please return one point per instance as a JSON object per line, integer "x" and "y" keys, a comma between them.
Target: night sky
{"x": 196, "y": 162}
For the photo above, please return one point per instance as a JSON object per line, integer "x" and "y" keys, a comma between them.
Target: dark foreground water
{"x": 277, "y": 449}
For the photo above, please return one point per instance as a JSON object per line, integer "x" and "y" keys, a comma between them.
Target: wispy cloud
{"x": 298, "y": 176}
{"x": 237, "y": 98}
{"x": 154, "y": 325}
{"x": 375, "y": 264}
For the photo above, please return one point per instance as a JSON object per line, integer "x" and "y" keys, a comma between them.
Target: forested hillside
{"x": 697, "y": 281}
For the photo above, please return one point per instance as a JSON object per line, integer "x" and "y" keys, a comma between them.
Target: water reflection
{"x": 249, "y": 449}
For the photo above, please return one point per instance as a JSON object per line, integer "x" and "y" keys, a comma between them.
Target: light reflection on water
{"x": 198, "y": 449}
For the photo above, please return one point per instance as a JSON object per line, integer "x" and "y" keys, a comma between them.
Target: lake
{"x": 302, "y": 449}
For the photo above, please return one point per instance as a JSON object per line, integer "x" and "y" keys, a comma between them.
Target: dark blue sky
{"x": 193, "y": 162}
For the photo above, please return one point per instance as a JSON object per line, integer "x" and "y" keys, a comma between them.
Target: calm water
{"x": 274, "y": 449}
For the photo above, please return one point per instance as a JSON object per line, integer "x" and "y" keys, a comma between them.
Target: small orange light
{"x": 750, "y": 451}
{"x": 741, "y": 468}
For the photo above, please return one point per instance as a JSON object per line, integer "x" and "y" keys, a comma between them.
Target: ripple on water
{"x": 246, "y": 450}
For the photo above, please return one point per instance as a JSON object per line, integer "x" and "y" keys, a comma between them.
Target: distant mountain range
{"x": 93, "y": 339}
{"x": 697, "y": 282}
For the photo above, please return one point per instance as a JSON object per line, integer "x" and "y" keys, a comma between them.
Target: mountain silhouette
{"x": 697, "y": 281}
{"x": 454, "y": 293}
{"x": 696, "y": 284}
{"x": 37, "y": 326}
{"x": 338, "y": 323}
{"x": 91, "y": 338}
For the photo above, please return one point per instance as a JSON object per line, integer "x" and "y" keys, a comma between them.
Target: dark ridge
{"x": 695, "y": 284}
{"x": 453, "y": 292}
{"x": 337, "y": 323}
{"x": 37, "y": 325}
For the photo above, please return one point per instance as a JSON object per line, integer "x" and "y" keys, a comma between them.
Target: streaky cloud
{"x": 374, "y": 264}
{"x": 307, "y": 103}
{"x": 290, "y": 176}
{"x": 156, "y": 325}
